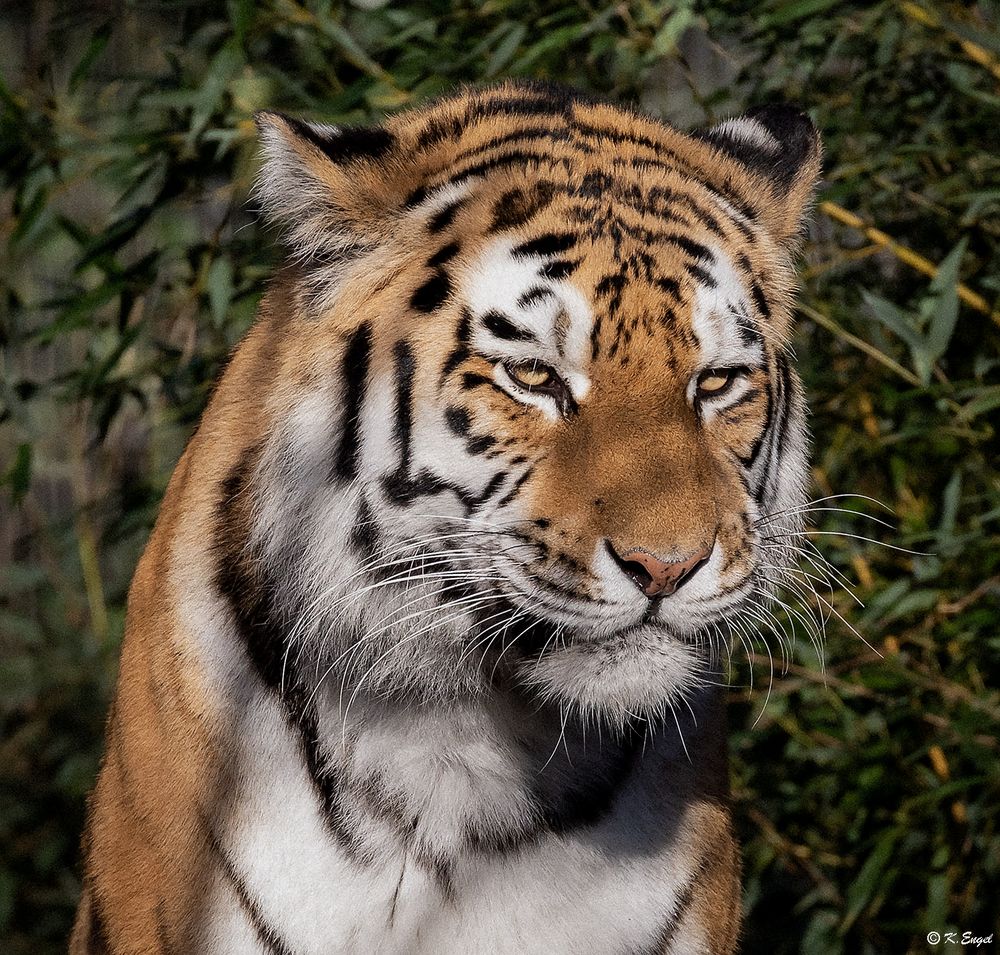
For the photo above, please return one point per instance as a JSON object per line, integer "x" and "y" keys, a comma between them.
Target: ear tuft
{"x": 340, "y": 144}
{"x": 777, "y": 142}
{"x": 779, "y": 145}
{"x": 323, "y": 184}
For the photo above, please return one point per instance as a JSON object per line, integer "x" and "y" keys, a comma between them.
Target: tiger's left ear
{"x": 331, "y": 189}
{"x": 780, "y": 148}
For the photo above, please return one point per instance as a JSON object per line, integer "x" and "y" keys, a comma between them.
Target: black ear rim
{"x": 790, "y": 126}
{"x": 340, "y": 145}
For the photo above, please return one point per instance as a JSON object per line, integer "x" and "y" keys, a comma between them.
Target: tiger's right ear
{"x": 331, "y": 189}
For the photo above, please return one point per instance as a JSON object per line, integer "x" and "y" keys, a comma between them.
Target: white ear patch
{"x": 751, "y": 132}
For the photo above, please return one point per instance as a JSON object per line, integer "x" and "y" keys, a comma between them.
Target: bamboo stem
{"x": 905, "y": 255}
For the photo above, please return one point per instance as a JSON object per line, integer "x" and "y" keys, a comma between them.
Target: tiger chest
{"x": 421, "y": 854}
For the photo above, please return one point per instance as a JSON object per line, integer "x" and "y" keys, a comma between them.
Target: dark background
{"x": 867, "y": 795}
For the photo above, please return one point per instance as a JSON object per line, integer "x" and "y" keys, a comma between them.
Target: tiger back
{"x": 423, "y": 654}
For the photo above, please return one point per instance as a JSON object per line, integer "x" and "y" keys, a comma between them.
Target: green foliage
{"x": 866, "y": 791}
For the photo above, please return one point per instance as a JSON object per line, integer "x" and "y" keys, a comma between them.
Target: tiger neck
{"x": 497, "y": 770}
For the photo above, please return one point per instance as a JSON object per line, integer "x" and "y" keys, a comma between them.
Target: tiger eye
{"x": 531, "y": 376}
{"x": 714, "y": 382}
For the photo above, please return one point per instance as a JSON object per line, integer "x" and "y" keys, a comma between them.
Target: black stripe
{"x": 480, "y": 443}
{"x": 747, "y": 329}
{"x": 536, "y": 294}
{"x": 398, "y": 485}
{"x": 612, "y": 286}
{"x": 493, "y": 485}
{"x": 551, "y": 244}
{"x": 404, "y": 491}
{"x": 671, "y": 286}
{"x": 354, "y": 372}
{"x": 724, "y": 189}
{"x": 702, "y": 276}
{"x": 667, "y": 934}
{"x": 517, "y": 207}
{"x": 517, "y": 158}
{"x": 712, "y": 858}
{"x": 256, "y": 600}
{"x": 560, "y": 268}
{"x": 445, "y": 254}
{"x": 266, "y": 934}
{"x": 776, "y": 435}
{"x": 760, "y": 301}
{"x": 347, "y": 143}
{"x": 787, "y": 389}
{"x": 620, "y": 136}
{"x": 444, "y": 217}
{"x": 671, "y": 196}
{"x": 751, "y": 395}
{"x": 403, "y": 428}
{"x": 457, "y": 420}
{"x": 433, "y": 293}
{"x": 595, "y": 337}
{"x": 751, "y": 458}
{"x": 249, "y": 595}
{"x": 461, "y": 352}
{"x": 516, "y": 489}
{"x": 364, "y": 538}
{"x": 695, "y": 249}
{"x": 529, "y": 134}
{"x": 452, "y": 127}
{"x": 502, "y": 327}
{"x": 416, "y": 197}
{"x": 452, "y": 362}
{"x": 472, "y": 379}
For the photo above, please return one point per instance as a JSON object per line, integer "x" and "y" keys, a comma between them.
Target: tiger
{"x": 425, "y": 652}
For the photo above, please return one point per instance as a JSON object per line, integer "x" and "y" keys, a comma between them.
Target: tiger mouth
{"x": 545, "y": 637}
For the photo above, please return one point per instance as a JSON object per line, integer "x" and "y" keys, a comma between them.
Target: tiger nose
{"x": 656, "y": 577}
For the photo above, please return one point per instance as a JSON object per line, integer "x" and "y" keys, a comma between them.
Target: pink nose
{"x": 656, "y": 577}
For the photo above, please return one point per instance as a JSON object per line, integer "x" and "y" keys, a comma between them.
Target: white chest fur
{"x": 462, "y": 830}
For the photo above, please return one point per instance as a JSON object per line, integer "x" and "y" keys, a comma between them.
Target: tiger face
{"x": 536, "y": 424}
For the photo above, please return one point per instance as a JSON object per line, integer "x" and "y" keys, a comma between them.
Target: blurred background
{"x": 867, "y": 792}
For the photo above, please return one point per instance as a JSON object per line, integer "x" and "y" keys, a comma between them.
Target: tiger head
{"x": 536, "y": 421}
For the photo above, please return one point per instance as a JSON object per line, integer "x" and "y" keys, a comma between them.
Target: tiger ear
{"x": 780, "y": 146}
{"x": 328, "y": 187}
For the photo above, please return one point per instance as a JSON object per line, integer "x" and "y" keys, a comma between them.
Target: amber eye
{"x": 539, "y": 379}
{"x": 532, "y": 375}
{"x": 717, "y": 381}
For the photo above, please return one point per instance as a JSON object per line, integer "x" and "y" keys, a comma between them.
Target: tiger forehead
{"x": 636, "y": 235}
{"x": 596, "y": 147}
{"x": 642, "y": 286}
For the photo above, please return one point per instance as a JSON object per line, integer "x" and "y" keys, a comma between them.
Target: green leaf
{"x": 870, "y": 878}
{"x": 94, "y": 49}
{"x": 219, "y": 285}
{"x": 796, "y": 10}
{"x": 506, "y": 49}
{"x": 942, "y": 304}
{"x": 18, "y": 476}
{"x": 905, "y": 326}
{"x": 986, "y": 400}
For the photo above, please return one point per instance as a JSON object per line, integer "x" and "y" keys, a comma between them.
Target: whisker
{"x": 858, "y": 537}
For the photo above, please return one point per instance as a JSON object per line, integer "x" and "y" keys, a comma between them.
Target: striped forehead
{"x": 522, "y": 307}
{"x": 523, "y": 303}
{"x": 722, "y": 316}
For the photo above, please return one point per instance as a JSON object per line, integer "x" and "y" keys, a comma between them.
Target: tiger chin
{"x": 423, "y": 654}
